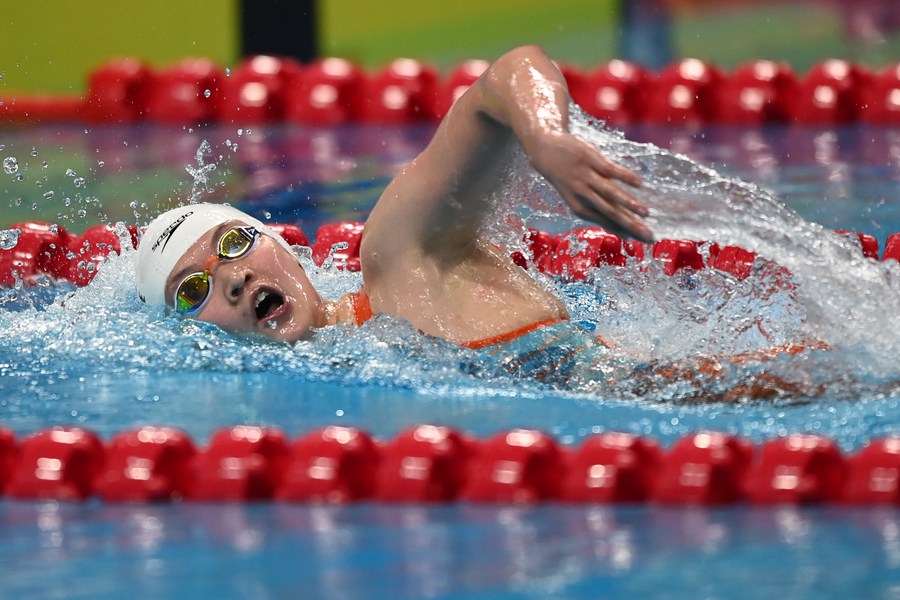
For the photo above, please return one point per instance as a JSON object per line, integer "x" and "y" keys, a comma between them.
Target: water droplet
{"x": 18, "y": 177}
{"x": 227, "y": 72}
{"x": 9, "y": 238}
{"x": 44, "y": 164}
{"x": 207, "y": 93}
{"x": 10, "y": 165}
{"x": 268, "y": 215}
{"x": 82, "y": 213}
{"x": 34, "y": 151}
{"x": 70, "y": 173}
{"x": 79, "y": 182}
{"x": 48, "y": 195}
{"x": 54, "y": 229}
{"x": 101, "y": 163}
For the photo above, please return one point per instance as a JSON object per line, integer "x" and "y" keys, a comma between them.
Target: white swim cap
{"x": 172, "y": 234}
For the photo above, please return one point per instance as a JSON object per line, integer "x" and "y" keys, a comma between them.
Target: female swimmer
{"x": 421, "y": 256}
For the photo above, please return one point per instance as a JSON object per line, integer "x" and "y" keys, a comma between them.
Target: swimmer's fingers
{"x": 606, "y": 203}
{"x": 611, "y": 170}
{"x": 623, "y": 224}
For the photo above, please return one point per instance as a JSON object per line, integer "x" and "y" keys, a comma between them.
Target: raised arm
{"x": 436, "y": 204}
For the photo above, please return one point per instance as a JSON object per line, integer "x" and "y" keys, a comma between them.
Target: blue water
{"x": 97, "y": 358}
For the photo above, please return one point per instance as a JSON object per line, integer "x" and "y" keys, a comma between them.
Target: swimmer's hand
{"x": 590, "y": 183}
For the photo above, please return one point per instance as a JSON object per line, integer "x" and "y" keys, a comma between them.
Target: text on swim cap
{"x": 166, "y": 235}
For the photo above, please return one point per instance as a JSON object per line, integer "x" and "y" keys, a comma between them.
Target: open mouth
{"x": 268, "y": 305}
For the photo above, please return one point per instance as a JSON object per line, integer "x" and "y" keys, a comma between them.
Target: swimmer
{"x": 421, "y": 256}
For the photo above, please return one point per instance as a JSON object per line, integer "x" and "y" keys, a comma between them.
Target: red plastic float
{"x": 676, "y": 255}
{"x": 9, "y": 452}
{"x": 41, "y": 249}
{"x": 684, "y": 93}
{"x": 882, "y": 97}
{"x": 240, "y": 463}
{"x": 117, "y": 92}
{"x": 60, "y": 463}
{"x": 867, "y": 243}
{"x": 403, "y": 92}
{"x": 704, "y": 468}
{"x": 615, "y": 92}
{"x": 756, "y": 93}
{"x": 611, "y": 467}
{"x": 145, "y": 465}
{"x": 334, "y": 464}
{"x": 346, "y": 232}
{"x": 797, "y": 469}
{"x": 325, "y": 93}
{"x": 185, "y": 93}
{"x": 732, "y": 259}
{"x": 831, "y": 93}
{"x": 256, "y": 91}
{"x": 583, "y": 249}
{"x": 423, "y": 464}
{"x": 519, "y": 466}
{"x": 892, "y": 247}
{"x": 874, "y": 473}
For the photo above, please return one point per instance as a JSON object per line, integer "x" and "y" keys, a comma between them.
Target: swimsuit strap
{"x": 362, "y": 310}
{"x": 509, "y": 335}
{"x": 361, "y": 307}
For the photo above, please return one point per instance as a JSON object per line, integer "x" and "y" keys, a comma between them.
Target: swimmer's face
{"x": 264, "y": 291}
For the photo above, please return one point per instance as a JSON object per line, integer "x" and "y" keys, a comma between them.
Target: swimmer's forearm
{"x": 525, "y": 91}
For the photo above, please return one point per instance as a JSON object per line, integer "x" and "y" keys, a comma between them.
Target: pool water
{"x": 96, "y": 357}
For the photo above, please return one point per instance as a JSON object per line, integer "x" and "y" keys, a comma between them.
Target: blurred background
{"x": 51, "y": 46}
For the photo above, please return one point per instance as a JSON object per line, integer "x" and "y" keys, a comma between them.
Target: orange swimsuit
{"x": 550, "y": 350}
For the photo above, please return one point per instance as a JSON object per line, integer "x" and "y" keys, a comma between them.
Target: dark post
{"x": 280, "y": 28}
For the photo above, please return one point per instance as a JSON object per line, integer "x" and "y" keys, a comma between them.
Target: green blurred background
{"x": 51, "y": 45}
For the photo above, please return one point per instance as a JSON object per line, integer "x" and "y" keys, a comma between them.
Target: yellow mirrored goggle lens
{"x": 192, "y": 292}
{"x": 236, "y": 241}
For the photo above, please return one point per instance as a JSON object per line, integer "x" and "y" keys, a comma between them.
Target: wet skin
{"x": 266, "y": 291}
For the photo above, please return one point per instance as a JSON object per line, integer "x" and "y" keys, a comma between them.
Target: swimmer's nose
{"x": 232, "y": 280}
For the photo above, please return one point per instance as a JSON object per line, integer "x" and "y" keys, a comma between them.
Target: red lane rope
{"x": 430, "y": 463}
{"x": 333, "y": 91}
{"x": 46, "y": 250}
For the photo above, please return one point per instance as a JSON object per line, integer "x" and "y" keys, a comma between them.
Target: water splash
{"x": 10, "y": 165}
{"x": 200, "y": 173}
{"x": 9, "y": 238}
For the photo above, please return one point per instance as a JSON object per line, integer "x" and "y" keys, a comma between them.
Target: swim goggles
{"x": 193, "y": 291}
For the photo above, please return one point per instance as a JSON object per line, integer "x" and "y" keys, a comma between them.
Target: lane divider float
{"x": 38, "y": 250}
{"x": 433, "y": 463}
{"x": 335, "y": 91}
